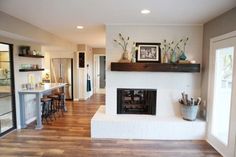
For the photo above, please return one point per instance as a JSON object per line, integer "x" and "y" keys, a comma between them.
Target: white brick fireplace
{"x": 167, "y": 124}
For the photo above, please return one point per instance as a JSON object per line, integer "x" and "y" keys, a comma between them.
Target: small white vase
{"x": 125, "y": 57}
{"x": 165, "y": 58}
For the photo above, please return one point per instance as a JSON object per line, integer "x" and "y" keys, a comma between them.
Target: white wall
{"x": 169, "y": 85}
{"x": 99, "y": 51}
{"x": 89, "y": 61}
{"x": 82, "y": 72}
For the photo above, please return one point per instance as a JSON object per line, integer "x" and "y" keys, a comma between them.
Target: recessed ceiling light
{"x": 80, "y": 27}
{"x": 145, "y": 11}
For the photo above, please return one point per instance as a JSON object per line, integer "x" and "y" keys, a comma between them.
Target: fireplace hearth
{"x": 136, "y": 101}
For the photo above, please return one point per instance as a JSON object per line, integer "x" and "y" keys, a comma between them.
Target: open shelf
{"x": 27, "y": 70}
{"x": 31, "y": 56}
{"x": 155, "y": 67}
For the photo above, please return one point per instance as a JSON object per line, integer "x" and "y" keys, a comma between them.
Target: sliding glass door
{"x": 7, "y": 95}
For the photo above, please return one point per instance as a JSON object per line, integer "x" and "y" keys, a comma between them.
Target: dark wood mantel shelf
{"x": 155, "y": 67}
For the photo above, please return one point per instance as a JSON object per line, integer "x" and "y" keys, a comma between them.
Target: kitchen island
{"x": 39, "y": 91}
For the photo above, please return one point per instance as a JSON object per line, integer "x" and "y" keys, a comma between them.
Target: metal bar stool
{"x": 46, "y": 103}
{"x": 61, "y": 102}
{"x": 55, "y": 104}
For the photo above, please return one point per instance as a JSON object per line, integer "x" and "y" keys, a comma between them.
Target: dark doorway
{"x": 102, "y": 60}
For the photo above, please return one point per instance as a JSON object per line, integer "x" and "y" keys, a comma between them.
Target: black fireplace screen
{"x": 136, "y": 101}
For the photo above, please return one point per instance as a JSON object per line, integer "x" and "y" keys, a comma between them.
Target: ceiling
{"x": 61, "y": 17}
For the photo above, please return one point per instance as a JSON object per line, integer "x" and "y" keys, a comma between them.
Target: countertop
{"x": 43, "y": 88}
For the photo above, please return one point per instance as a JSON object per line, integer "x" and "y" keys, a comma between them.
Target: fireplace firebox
{"x": 136, "y": 101}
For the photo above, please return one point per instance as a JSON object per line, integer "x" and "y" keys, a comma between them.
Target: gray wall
{"x": 12, "y": 27}
{"x": 222, "y": 24}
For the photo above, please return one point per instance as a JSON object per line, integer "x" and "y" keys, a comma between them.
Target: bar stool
{"x": 54, "y": 107}
{"x": 61, "y": 102}
{"x": 46, "y": 103}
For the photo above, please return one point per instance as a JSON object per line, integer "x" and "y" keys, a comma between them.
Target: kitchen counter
{"x": 43, "y": 88}
{"x": 39, "y": 91}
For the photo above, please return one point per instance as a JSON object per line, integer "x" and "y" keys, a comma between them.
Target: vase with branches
{"x": 182, "y": 55}
{"x": 166, "y": 47}
{"x": 176, "y": 47}
{"x": 123, "y": 43}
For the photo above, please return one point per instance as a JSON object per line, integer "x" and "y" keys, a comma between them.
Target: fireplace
{"x": 136, "y": 101}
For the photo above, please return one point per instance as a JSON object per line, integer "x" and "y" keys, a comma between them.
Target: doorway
{"x": 7, "y": 89}
{"x": 100, "y": 73}
{"x": 222, "y": 90}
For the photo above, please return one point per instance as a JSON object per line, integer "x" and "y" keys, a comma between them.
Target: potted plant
{"x": 189, "y": 107}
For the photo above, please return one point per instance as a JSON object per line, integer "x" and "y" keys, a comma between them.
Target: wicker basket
{"x": 189, "y": 112}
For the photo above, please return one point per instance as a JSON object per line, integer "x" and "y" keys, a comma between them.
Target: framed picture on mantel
{"x": 148, "y": 52}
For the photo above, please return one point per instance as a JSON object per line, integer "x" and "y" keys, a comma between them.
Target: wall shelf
{"x": 31, "y": 56}
{"x": 155, "y": 67}
{"x": 27, "y": 70}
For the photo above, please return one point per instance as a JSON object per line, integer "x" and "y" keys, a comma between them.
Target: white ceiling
{"x": 61, "y": 17}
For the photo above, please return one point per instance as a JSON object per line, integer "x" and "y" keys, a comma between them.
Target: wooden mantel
{"x": 155, "y": 67}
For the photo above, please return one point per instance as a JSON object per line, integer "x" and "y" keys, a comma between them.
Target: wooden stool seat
{"x": 53, "y": 96}
{"x": 46, "y": 99}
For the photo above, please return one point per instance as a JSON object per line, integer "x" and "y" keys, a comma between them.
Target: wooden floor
{"x": 70, "y": 136}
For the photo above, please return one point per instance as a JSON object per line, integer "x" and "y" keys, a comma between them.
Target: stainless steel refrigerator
{"x": 62, "y": 72}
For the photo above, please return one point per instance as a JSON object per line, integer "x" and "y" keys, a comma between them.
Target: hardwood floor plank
{"x": 70, "y": 136}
